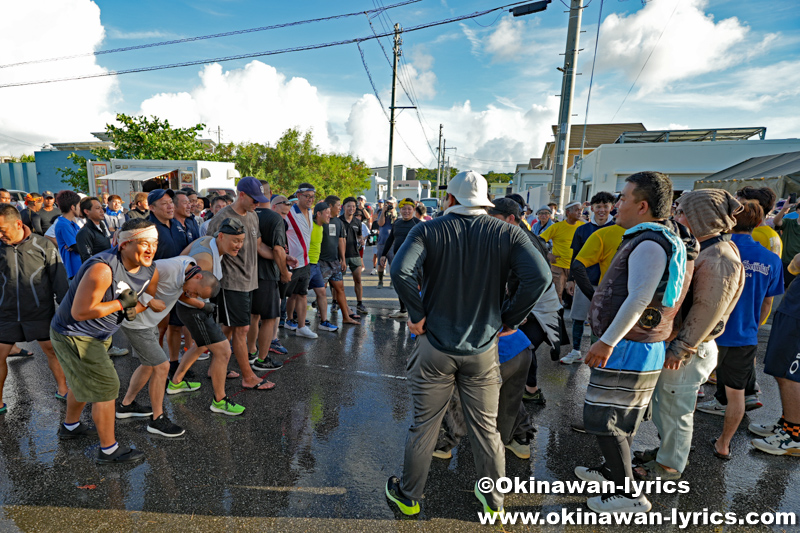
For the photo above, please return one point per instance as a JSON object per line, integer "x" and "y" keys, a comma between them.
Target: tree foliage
{"x": 24, "y": 158}
{"x": 78, "y": 180}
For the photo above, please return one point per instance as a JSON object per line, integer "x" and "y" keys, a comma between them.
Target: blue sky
{"x": 491, "y": 81}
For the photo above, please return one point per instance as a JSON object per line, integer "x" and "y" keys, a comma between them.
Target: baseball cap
{"x": 362, "y": 197}
{"x": 252, "y": 188}
{"x": 505, "y": 207}
{"x": 544, "y": 208}
{"x": 189, "y": 190}
{"x": 320, "y": 206}
{"x": 392, "y": 199}
{"x": 380, "y": 201}
{"x": 470, "y": 189}
{"x": 158, "y": 194}
{"x": 232, "y": 226}
{"x": 48, "y": 194}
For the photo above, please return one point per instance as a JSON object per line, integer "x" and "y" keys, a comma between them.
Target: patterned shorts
{"x": 331, "y": 270}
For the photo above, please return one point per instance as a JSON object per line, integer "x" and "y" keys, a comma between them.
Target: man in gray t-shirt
{"x": 240, "y": 275}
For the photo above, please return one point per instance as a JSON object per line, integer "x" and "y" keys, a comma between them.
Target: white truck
{"x": 126, "y": 177}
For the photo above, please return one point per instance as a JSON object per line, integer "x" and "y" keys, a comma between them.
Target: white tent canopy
{"x": 137, "y": 175}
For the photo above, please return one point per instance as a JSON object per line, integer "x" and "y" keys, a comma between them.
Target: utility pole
{"x": 561, "y": 162}
{"x": 218, "y": 131}
{"x": 439, "y": 164}
{"x": 397, "y": 42}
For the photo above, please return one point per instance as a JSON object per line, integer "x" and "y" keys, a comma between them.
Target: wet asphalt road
{"x": 314, "y": 453}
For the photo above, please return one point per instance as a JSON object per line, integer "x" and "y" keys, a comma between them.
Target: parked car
{"x": 18, "y": 198}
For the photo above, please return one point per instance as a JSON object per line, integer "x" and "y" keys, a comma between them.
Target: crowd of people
{"x": 674, "y": 291}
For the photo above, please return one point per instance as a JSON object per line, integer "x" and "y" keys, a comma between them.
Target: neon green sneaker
{"x": 226, "y": 407}
{"x": 405, "y": 505}
{"x": 183, "y": 386}
{"x": 482, "y": 499}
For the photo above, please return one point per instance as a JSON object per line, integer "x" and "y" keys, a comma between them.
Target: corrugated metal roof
{"x": 767, "y": 166}
{"x": 597, "y": 134}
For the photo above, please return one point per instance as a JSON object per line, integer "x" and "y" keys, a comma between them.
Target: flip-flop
{"x": 654, "y": 471}
{"x": 723, "y": 456}
{"x": 645, "y": 456}
{"x": 62, "y": 398}
{"x": 355, "y": 316}
{"x": 3, "y": 409}
{"x": 232, "y": 374}
{"x": 258, "y": 386}
{"x": 21, "y": 353}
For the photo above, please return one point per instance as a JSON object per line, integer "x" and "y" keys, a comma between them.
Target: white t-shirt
{"x": 51, "y": 231}
{"x": 171, "y": 277}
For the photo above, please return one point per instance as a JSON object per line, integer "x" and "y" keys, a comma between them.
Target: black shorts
{"x": 299, "y": 284}
{"x": 266, "y": 300}
{"x": 233, "y": 308}
{"x": 735, "y": 366}
{"x": 783, "y": 350}
{"x": 200, "y": 324}
{"x": 173, "y": 318}
{"x": 25, "y": 331}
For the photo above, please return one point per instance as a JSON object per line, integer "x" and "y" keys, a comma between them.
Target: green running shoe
{"x": 405, "y": 505}
{"x": 183, "y": 386}
{"x": 226, "y": 407}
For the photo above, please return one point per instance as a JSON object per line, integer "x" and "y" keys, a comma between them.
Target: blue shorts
{"x": 316, "y": 281}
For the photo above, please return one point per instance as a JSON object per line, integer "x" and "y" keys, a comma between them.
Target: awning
{"x": 136, "y": 175}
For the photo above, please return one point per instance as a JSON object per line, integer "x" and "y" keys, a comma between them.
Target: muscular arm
{"x": 88, "y": 303}
{"x": 766, "y": 305}
{"x": 650, "y": 260}
{"x": 777, "y": 222}
{"x": 279, "y": 254}
{"x": 342, "y": 247}
{"x": 265, "y": 251}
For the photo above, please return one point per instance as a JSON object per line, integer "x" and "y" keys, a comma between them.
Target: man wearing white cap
{"x": 561, "y": 234}
{"x": 458, "y": 326}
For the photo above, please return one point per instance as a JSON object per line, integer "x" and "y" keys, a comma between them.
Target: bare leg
{"x": 74, "y": 410}
{"x": 265, "y": 335}
{"x": 249, "y": 378}
{"x": 158, "y": 384}
{"x": 5, "y": 349}
{"x": 734, "y": 412}
{"x": 139, "y": 379}
{"x": 290, "y": 307}
{"x": 790, "y": 398}
{"x": 162, "y": 330}
{"x": 357, "y": 282}
{"x": 55, "y": 366}
{"x": 220, "y": 355}
{"x": 300, "y": 303}
{"x": 103, "y": 415}
{"x": 174, "y": 342}
{"x": 322, "y": 303}
{"x": 253, "y": 334}
{"x": 337, "y": 289}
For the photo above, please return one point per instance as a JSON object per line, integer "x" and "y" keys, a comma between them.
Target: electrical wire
{"x": 18, "y": 140}
{"x": 591, "y": 78}
{"x": 646, "y": 60}
{"x": 256, "y": 54}
{"x": 212, "y": 36}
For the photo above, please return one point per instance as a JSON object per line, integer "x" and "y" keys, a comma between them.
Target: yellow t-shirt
{"x": 561, "y": 234}
{"x": 316, "y": 244}
{"x": 601, "y": 247}
{"x": 768, "y": 238}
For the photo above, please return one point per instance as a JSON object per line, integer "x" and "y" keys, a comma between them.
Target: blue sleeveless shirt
{"x": 121, "y": 279}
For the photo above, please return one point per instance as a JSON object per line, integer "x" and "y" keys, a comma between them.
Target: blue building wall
{"x": 20, "y": 176}
{"x": 46, "y": 164}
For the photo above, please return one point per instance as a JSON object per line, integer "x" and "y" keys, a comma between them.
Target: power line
{"x": 646, "y": 60}
{"x": 212, "y": 36}
{"x": 591, "y": 78}
{"x": 257, "y": 54}
{"x": 18, "y": 140}
{"x": 483, "y": 160}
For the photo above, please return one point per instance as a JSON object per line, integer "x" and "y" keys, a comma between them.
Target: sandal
{"x": 21, "y": 353}
{"x": 355, "y": 316}
{"x": 259, "y": 386}
{"x": 3, "y": 409}
{"x": 645, "y": 456}
{"x": 654, "y": 471}
{"x": 723, "y": 456}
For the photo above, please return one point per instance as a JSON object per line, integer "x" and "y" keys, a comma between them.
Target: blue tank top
{"x": 121, "y": 279}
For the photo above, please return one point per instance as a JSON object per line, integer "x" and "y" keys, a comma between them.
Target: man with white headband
{"x": 106, "y": 290}
{"x": 561, "y": 234}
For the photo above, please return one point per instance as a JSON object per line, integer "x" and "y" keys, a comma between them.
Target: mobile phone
{"x": 793, "y": 198}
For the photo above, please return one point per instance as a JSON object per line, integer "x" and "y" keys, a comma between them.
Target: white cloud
{"x": 505, "y": 43}
{"x": 115, "y": 33}
{"x": 693, "y": 43}
{"x": 255, "y": 103}
{"x": 52, "y": 112}
{"x": 419, "y": 72}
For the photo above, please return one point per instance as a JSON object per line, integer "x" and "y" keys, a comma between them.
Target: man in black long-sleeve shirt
{"x": 464, "y": 258}
{"x": 400, "y": 230}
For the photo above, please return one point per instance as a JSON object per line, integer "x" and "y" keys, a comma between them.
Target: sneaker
{"x": 226, "y": 407}
{"x": 443, "y": 454}
{"x": 163, "y": 426}
{"x": 290, "y": 325}
{"x": 123, "y": 454}
{"x": 766, "y": 430}
{"x": 83, "y": 430}
{"x": 361, "y": 309}
{"x": 752, "y": 402}
{"x": 183, "y": 386}
{"x": 596, "y": 473}
{"x": 523, "y": 451}
{"x": 308, "y": 322}
{"x": 327, "y": 326}
{"x": 712, "y": 407}
{"x": 482, "y": 499}
{"x": 700, "y": 393}
{"x": 374, "y": 272}
{"x": 276, "y": 347}
{"x": 305, "y": 331}
{"x": 578, "y": 426}
{"x": 397, "y": 314}
{"x": 204, "y": 356}
{"x": 266, "y": 364}
{"x": 134, "y": 410}
{"x": 314, "y": 304}
{"x": 534, "y": 397}
{"x": 116, "y": 352}
{"x": 617, "y": 503}
{"x": 572, "y": 357}
{"x": 778, "y": 444}
{"x": 379, "y": 285}
{"x": 281, "y": 322}
{"x": 405, "y": 505}
{"x": 253, "y": 357}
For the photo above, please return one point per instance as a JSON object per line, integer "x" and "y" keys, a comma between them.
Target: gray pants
{"x": 513, "y": 420}
{"x": 673, "y": 405}
{"x": 432, "y": 377}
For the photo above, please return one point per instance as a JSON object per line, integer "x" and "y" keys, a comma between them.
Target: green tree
{"x": 77, "y": 179}
{"x": 24, "y": 158}
{"x": 497, "y": 177}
